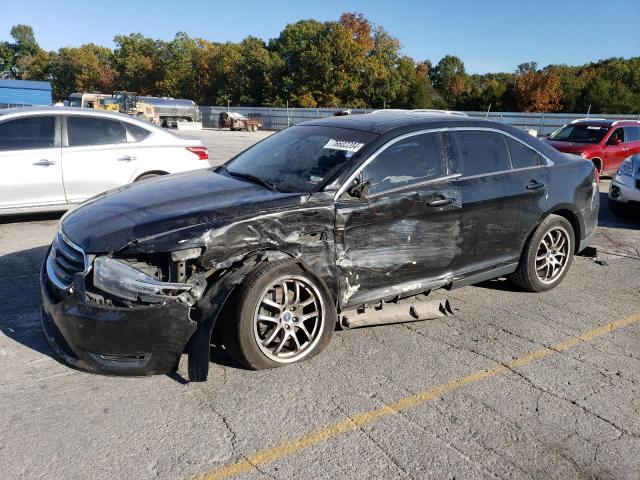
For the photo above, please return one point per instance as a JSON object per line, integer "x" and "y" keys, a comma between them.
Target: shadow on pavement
{"x": 606, "y": 218}
{"x": 31, "y": 217}
{"x": 20, "y": 293}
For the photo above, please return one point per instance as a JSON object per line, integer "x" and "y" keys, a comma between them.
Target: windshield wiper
{"x": 252, "y": 178}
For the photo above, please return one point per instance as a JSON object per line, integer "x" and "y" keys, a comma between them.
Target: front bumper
{"x": 624, "y": 189}
{"x": 135, "y": 341}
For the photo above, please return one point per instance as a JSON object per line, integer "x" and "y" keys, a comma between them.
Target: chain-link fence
{"x": 280, "y": 118}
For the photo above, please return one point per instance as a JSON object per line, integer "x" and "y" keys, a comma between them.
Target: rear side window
{"x": 137, "y": 133}
{"x": 84, "y": 131}
{"x": 521, "y": 155}
{"x": 27, "y": 133}
{"x": 414, "y": 159}
{"x": 632, "y": 134}
{"x": 481, "y": 152}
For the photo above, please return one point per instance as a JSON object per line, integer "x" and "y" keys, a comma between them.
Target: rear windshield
{"x": 580, "y": 133}
{"x": 300, "y": 158}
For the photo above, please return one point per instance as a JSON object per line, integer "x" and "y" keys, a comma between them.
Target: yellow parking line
{"x": 352, "y": 423}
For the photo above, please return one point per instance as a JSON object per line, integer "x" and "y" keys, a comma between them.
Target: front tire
{"x": 283, "y": 316}
{"x": 547, "y": 256}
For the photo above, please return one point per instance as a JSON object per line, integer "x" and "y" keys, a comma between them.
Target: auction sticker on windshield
{"x": 345, "y": 145}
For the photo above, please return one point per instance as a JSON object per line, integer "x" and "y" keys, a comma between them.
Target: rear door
{"x": 632, "y": 136}
{"x": 502, "y": 199}
{"x": 95, "y": 156}
{"x": 402, "y": 235}
{"x": 30, "y": 167}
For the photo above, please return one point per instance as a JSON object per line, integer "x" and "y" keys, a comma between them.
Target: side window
{"x": 616, "y": 137}
{"x": 632, "y": 134}
{"x": 481, "y": 152}
{"x": 137, "y": 133}
{"x": 27, "y": 133}
{"x": 83, "y": 131}
{"x": 521, "y": 155}
{"x": 416, "y": 158}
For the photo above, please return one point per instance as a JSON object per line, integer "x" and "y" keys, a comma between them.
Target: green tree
{"x": 451, "y": 80}
{"x": 83, "y": 69}
{"x": 137, "y": 63}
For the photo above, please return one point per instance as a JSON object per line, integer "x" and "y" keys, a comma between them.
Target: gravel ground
{"x": 572, "y": 411}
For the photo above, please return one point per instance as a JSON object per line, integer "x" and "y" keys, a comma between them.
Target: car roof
{"x": 90, "y": 112}
{"x": 382, "y": 123}
{"x": 605, "y": 123}
{"x": 594, "y": 123}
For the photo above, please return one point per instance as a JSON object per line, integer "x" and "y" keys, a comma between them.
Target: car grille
{"x": 64, "y": 261}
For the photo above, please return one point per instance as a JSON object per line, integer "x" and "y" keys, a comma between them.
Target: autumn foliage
{"x": 537, "y": 91}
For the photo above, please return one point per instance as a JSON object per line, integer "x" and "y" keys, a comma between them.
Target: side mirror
{"x": 359, "y": 189}
{"x": 614, "y": 141}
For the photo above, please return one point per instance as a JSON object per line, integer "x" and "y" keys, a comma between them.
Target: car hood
{"x": 570, "y": 147}
{"x": 169, "y": 204}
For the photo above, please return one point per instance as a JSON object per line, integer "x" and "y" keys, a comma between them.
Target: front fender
{"x": 209, "y": 307}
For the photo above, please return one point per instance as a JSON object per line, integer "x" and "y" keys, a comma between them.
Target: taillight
{"x": 201, "y": 152}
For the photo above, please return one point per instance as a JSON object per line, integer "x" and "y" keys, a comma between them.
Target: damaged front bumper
{"x": 140, "y": 340}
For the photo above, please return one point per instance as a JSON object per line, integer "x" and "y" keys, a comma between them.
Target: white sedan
{"x": 54, "y": 158}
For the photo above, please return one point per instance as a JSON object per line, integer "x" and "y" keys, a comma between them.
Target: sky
{"x": 488, "y": 35}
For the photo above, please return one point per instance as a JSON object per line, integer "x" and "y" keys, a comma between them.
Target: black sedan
{"x": 343, "y": 221}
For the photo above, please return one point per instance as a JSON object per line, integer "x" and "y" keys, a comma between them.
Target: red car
{"x": 605, "y": 142}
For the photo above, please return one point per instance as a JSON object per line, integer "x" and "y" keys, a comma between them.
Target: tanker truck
{"x": 177, "y": 113}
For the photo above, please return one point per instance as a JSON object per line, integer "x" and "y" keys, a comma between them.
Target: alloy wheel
{"x": 552, "y": 254}
{"x": 288, "y": 319}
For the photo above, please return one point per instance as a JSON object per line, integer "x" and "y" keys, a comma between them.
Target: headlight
{"x": 116, "y": 277}
{"x": 626, "y": 168}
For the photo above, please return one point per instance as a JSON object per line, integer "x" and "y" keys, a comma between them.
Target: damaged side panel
{"x": 396, "y": 244}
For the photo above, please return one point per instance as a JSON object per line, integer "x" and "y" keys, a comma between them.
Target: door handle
{"x": 44, "y": 163}
{"x": 440, "y": 202}
{"x": 535, "y": 186}
{"x": 126, "y": 158}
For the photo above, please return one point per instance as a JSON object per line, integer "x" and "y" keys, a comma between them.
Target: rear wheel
{"x": 547, "y": 256}
{"x": 283, "y": 316}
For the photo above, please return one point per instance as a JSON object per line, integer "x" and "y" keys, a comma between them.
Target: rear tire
{"x": 547, "y": 255}
{"x": 300, "y": 317}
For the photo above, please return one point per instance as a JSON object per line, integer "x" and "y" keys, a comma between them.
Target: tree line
{"x": 346, "y": 63}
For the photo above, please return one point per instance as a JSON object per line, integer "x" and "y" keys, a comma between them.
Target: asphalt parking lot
{"x": 515, "y": 385}
{"x": 224, "y": 144}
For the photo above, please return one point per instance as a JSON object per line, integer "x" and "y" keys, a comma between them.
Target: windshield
{"x": 75, "y": 102}
{"x": 301, "y": 158}
{"x": 580, "y": 133}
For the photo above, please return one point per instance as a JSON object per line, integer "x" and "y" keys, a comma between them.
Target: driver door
{"x": 399, "y": 234}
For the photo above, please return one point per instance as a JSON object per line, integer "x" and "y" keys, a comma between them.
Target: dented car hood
{"x": 191, "y": 201}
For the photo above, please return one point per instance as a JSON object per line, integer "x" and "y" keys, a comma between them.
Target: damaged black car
{"x": 345, "y": 221}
